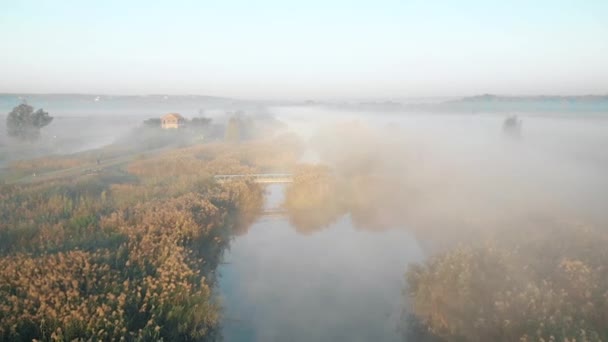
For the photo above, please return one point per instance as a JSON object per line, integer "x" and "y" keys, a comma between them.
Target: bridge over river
{"x": 261, "y": 178}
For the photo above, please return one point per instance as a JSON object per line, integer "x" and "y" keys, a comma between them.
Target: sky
{"x": 312, "y": 49}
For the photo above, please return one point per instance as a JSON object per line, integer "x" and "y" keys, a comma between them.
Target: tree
{"x": 23, "y": 123}
{"x": 153, "y": 122}
{"x": 200, "y": 122}
{"x": 512, "y": 126}
{"x": 233, "y": 130}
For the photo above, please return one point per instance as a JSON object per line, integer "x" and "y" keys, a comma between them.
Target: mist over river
{"x": 301, "y": 171}
{"x": 337, "y": 284}
{"x": 403, "y": 183}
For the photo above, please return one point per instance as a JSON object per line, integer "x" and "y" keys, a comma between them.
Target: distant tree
{"x": 512, "y": 126}
{"x": 247, "y": 128}
{"x": 233, "y": 130}
{"x": 153, "y": 122}
{"x": 23, "y": 123}
{"x": 200, "y": 122}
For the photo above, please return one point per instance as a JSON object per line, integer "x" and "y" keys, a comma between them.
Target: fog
{"x": 304, "y": 171}
{"x": 85, "y": 122}
{"x": 404, "y": 189}
{"x": 426, "y": 169}
{"x": 402, "y": 222}
{"x": 465, "y": 166}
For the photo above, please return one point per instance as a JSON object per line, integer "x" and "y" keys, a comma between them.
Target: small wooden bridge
{"x": 261, "y": 178}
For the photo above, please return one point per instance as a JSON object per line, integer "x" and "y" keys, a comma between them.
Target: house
{"x": 171, "y": 120}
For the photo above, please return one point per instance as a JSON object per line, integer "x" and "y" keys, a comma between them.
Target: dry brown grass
{"x": 110, "y": 258}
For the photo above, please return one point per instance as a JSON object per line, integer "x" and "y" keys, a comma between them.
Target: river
{"x": 336, "y": 284}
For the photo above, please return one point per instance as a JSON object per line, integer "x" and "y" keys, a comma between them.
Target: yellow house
{"x": 171, "y": 120}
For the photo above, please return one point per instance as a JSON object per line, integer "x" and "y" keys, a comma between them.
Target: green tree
{"x": 23, "y": 123}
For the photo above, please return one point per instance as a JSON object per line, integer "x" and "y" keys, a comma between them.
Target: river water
{"x": 336, "y": 284}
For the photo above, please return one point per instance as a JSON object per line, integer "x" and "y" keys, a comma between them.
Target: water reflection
{"x": 311, "y": 201}
{"x": 336, "y": 284}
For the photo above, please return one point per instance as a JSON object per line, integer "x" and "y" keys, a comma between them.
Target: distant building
{"x": 172, "y": 120}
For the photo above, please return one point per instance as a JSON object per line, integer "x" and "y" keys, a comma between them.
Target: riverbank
{"x": 127, "y": 252}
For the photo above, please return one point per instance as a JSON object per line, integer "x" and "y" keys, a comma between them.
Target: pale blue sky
{"x": 305, "y": 49}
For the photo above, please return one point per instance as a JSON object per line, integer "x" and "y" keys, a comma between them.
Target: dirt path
{"x": 84, "y": 169}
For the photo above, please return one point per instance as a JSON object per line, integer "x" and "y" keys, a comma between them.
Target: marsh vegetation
{"x": 128, "y": 252}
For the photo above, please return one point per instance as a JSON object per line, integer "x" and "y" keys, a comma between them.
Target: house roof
{"x": 173, "y": 115}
